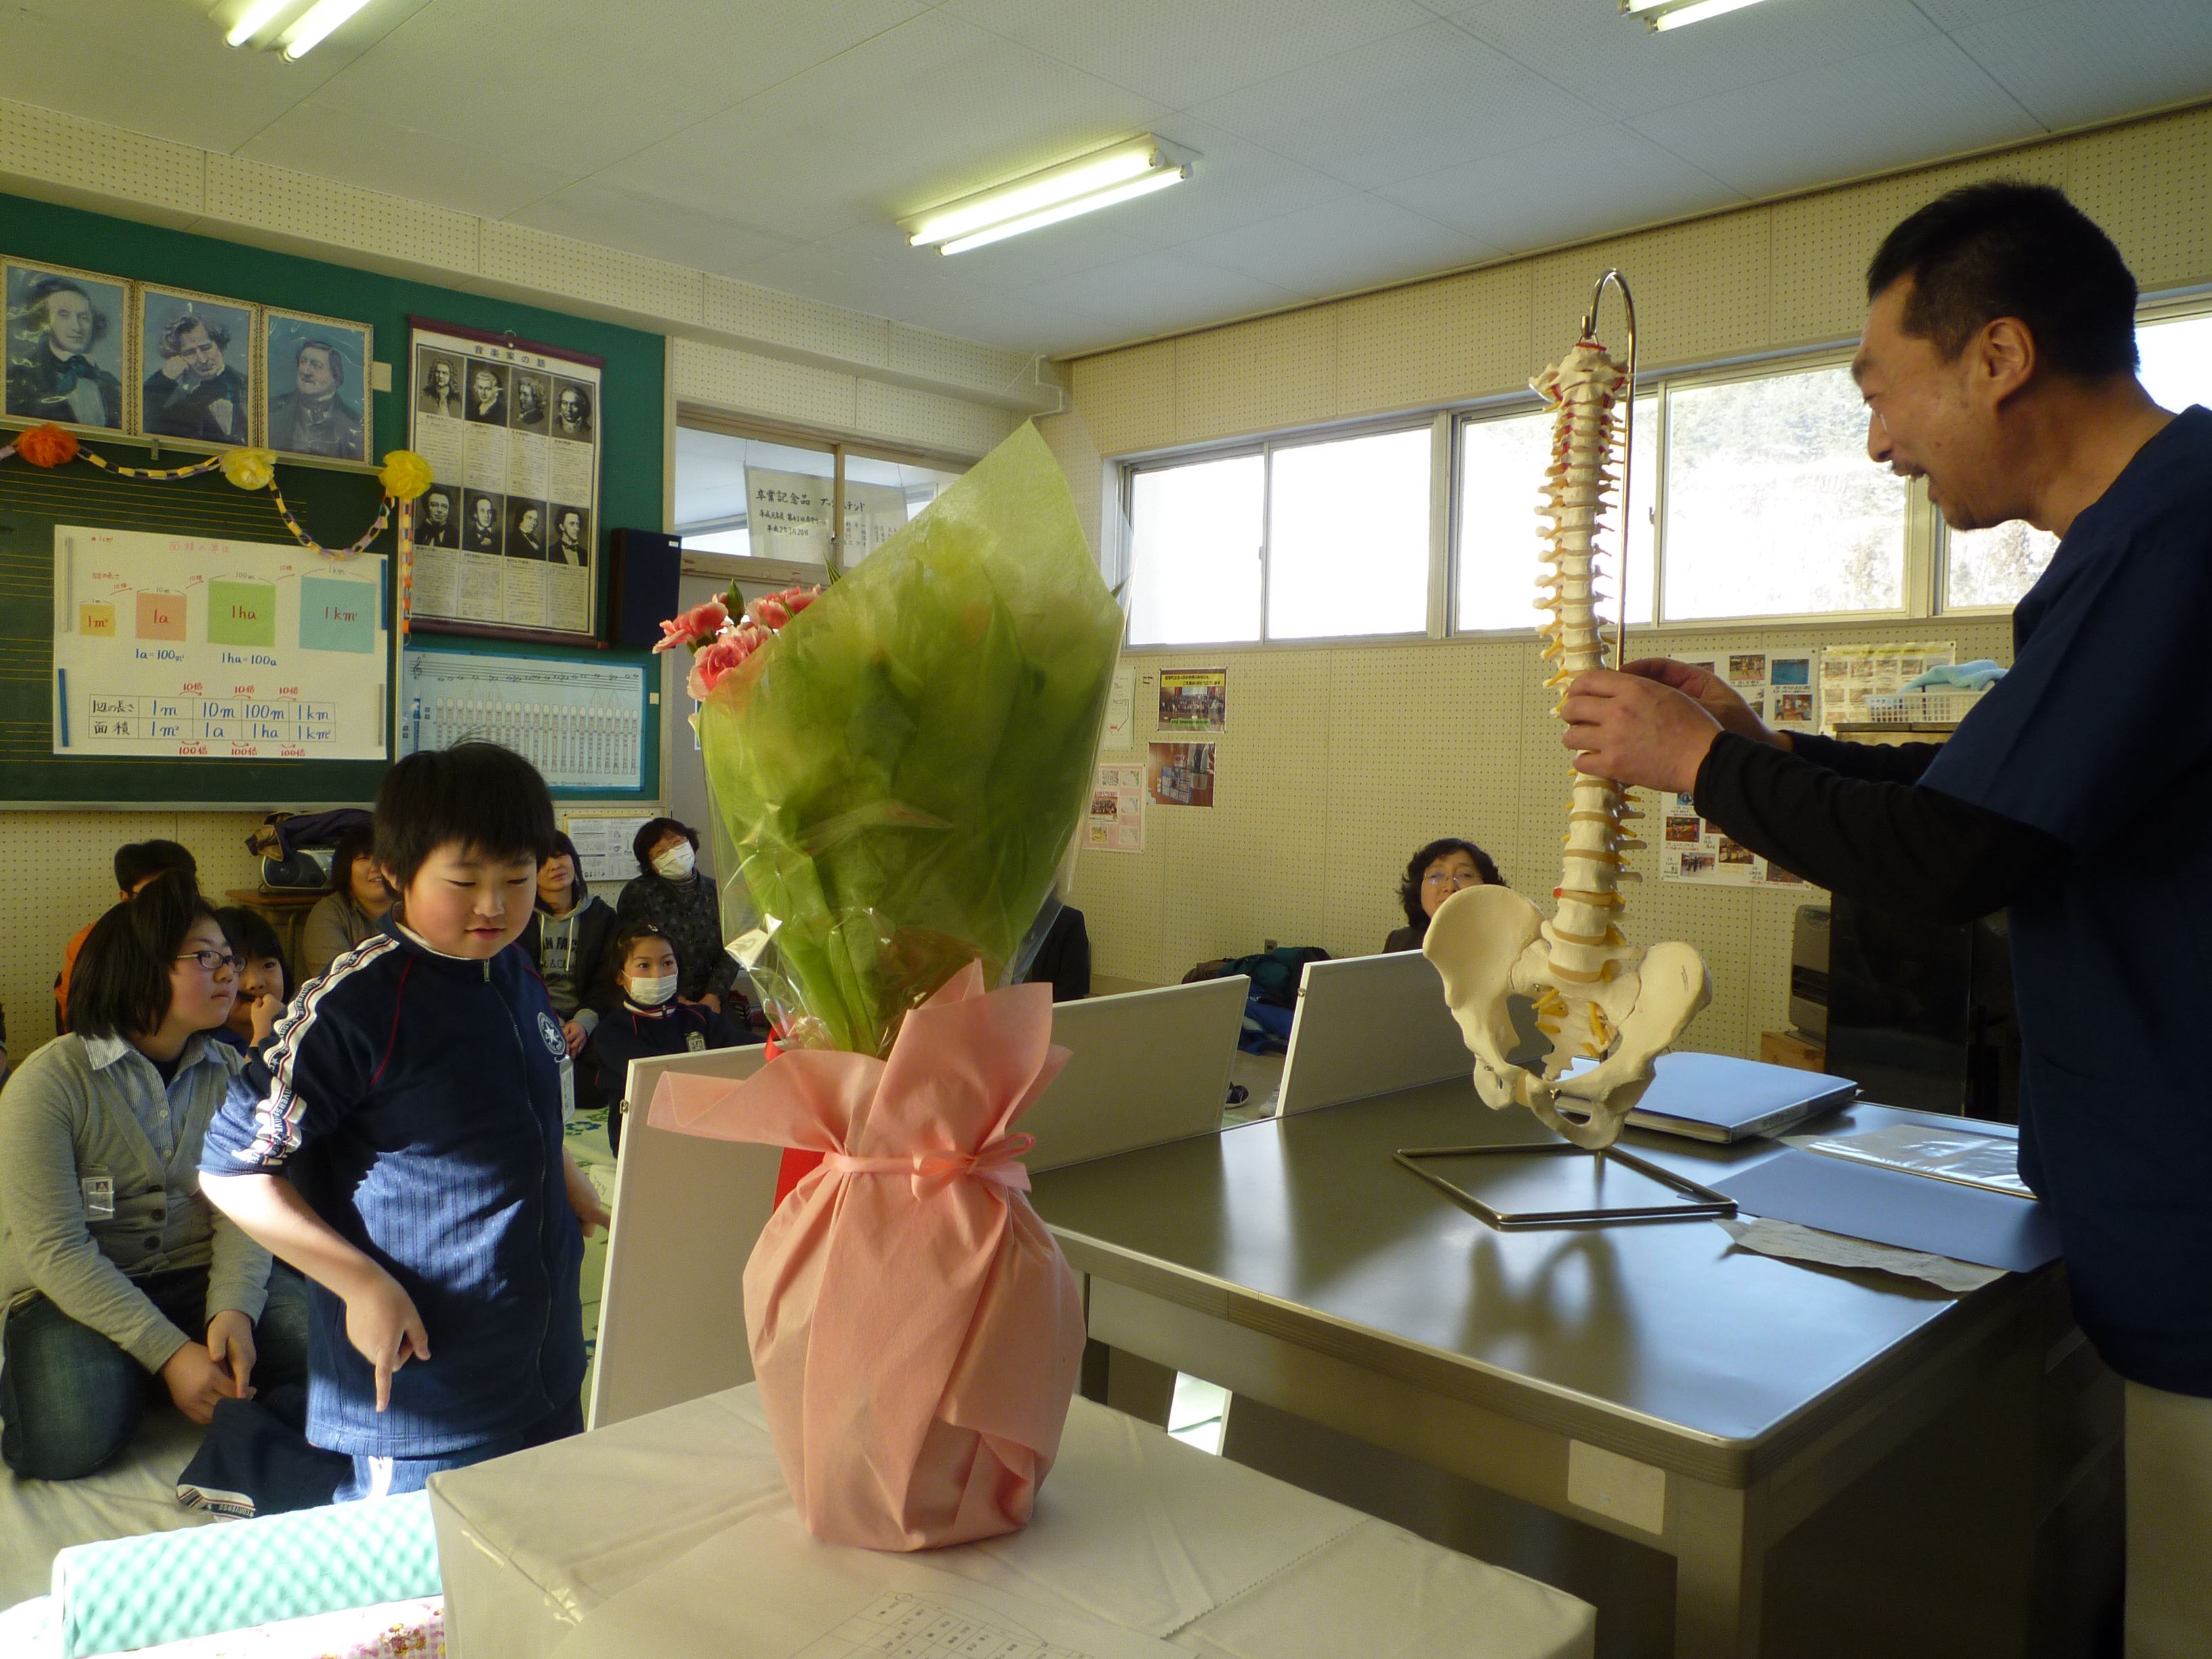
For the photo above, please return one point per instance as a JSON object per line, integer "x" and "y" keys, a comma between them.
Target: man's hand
{"x": 583, "y": 1197}
{"x": 230, "y": 1344}
{"x": 1636, "y": 730}
{"x": 574, "y": 1034}
{"x": 385, "y": 1329}
{"x": 1710, "y": 692}
{"x": 195, "y": 1382}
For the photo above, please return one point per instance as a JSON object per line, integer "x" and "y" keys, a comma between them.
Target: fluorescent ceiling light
{"x": 1119, "y": 172}
{"x": 304, "y": 36}
{"x": 257, "y": 16}
{"x": 1697, "y": 12}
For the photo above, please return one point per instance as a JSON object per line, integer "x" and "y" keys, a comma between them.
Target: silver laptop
{"x": 1367, "y": 1025}
{"x": 1146, "y": 1067}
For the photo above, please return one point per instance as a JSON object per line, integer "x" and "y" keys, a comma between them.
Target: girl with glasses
{"x": 115, "y": 1274}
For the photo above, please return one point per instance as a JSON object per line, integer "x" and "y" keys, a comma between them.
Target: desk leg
{"x": 1719, "y": 1570}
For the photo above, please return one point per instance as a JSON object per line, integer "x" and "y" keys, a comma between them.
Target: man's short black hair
{"x": 485, "y": 798}
{"x": 142, "y": 858}
{"x": 120, "y": 984}
{"x": 2010, "y": 249}
{"x": 654, "y": 829}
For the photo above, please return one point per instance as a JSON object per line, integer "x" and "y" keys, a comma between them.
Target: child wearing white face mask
{"x": 649, "y": 1021}
{"x": 671, "y": 895}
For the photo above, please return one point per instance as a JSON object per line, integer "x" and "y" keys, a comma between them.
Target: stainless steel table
{"x": 1650, "y": 1380}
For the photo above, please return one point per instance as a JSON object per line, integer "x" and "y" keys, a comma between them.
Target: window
{"x": 1298, "y": 540}
{"x": 1993, "y": 567}
{"x": 763, "y": 498}
{"x": 1772, "y": 508}
{"x": 1501, "y": 467}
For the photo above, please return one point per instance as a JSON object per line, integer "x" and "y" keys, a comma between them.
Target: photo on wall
{"x": 195, "y": 352}
{"x": 68, "y": 346}
{"x": 317, "y": 386}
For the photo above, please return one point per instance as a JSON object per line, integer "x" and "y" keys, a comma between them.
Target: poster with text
{"x": 788, "y": 516}
{"x": 1181, "y": 774}
{"x": 1850, "y": 674}
{"x": 1120, "y": 735}
{"x": 1116, "y": 820}
{"x": 507, "y": 538}
{"x": 191, "y": 647}
{"x": 1194, "y": 699}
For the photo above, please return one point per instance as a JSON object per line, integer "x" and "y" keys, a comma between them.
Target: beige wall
{"x": 1339, "y": 761}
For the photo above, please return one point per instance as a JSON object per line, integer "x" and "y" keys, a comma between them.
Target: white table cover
{"x": 636, "y": 1539}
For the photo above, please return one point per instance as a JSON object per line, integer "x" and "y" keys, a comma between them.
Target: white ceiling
{"x": 1344, "y": 143}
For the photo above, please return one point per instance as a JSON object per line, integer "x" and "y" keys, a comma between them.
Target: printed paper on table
{"x": 182, "y": 647}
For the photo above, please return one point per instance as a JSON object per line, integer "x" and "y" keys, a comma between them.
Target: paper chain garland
{"x": 404, "y": 476}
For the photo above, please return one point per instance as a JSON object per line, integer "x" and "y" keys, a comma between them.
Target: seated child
{"x": 135, "y": 865}
{"x": 648, "y": 1021}
{"x": 264, "y": 982}
{"x": 112, "y": 1267}
{"x": 399, "y": 1142}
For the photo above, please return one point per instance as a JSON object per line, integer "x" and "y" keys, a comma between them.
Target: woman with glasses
{"x": 115, "y": 1272}
{"x": 1433, "y": 875}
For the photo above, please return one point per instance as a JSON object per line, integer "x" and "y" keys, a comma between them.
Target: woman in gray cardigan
{"x": 114, "y": 1269}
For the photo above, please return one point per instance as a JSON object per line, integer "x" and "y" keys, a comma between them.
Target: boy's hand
{"x": 583, "y": 1197}
{"x": 230, "y": 1344}
{"x": 195, "y": 1382}
{"x": 268, "y": 1006}
{"x": 385, "y": 1329}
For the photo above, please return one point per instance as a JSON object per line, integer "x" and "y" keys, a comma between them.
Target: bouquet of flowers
{"x": 901, "y": 761}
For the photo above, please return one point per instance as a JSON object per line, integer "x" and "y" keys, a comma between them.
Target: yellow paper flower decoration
{"x": 405, "y": 475}
{"x": 250, "y": 468}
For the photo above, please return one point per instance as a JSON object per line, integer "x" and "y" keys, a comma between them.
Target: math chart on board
{"x": 188, "y": 647}
{"x": 582, "y": 724}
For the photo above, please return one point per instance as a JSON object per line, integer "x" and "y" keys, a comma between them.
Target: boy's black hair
{"x": 1409, "y": 889}
{"x": 653, "y": 830}
{"x": 252, "y": 939}
{"x": 134, "y": 863}
{"x": 2009, "y": 249}
{"x": 487, "y": 799}
{"x": 120, "y": 985}
{"x": 628, "y": 935}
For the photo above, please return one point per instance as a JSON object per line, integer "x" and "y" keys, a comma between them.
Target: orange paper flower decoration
{"x": 46, "y": 446}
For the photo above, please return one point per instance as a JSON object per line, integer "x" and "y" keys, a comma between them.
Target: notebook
{"x": 1720, "y": 1098}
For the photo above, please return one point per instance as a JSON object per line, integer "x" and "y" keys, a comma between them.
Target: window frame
{"x": 1265, "y": 445}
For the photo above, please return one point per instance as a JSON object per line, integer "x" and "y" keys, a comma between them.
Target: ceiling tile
{"x": 1585, "y": 183}
{"x": 2076, "y": 61}
{"x": 1179, "y": 54}
{"x": 1587, "y": 46}
{"x": 1235, "y": 182}
{"x": 1356, "y": 241}
{"x": 1961, "y": 13}
{"x": 1429, "y": 97}
{"x": 868, "y": 268}
{"x": 597, "y": 210}
{"x": 1158, "y": 293}
{"x": 1912, "y": 103}
{"x": 930, "y": 110}
{"x": 378, "y": 153}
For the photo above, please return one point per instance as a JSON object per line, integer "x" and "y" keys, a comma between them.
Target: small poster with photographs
{"x": 1850, "y": 674}
{"x": 195, "y": 352}
{"x": 1116, "y": 819}
{"x": 316, "y": 386}
{"x": 1695, "y": 850}
{"x": 1778, "y": 686}
{"x": 1180, "y": 773}
{"x": 70, "y": 362}
{"x": 1194, "y": 699}
{"x": 507, "y": 538}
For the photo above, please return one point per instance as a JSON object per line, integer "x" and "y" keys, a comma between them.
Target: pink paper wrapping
{"x": 915, "y": 1331}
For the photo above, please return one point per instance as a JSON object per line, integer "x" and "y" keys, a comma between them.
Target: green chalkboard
{"x": 333, "y": 506}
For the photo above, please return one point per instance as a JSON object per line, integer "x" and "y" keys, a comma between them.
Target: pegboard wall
{"x": 1339, "y": 761}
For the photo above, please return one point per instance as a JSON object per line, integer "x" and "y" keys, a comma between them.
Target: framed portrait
{"x": 316, "y": 389}
{"x": 507, "y": 538}
{"x": 68, "y": 348}
{"x": 199, "y": 378}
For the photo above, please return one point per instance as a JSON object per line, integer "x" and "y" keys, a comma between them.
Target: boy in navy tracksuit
{"x": 399, "y": 1142}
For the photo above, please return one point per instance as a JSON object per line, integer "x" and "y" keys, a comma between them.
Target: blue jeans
{"x": 387, "y": 1477}
{"x": 70, "y": 1400}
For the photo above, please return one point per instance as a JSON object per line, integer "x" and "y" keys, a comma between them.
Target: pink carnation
{"x": 696, "y": 627}
{"x": 717, "y": 660}
{"x": 777, "y": 610}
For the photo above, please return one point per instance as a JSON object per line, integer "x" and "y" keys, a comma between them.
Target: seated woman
{"x": 265, "y": 982}
{"x": 649, "y": 1021}
{"x": 669, "y": 894}
{"x": 357, "y": 902}
{"x": 114, "y": 1269}
{"x": 1433, "y": 875}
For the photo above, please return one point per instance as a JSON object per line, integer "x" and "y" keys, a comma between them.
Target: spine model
{"x": 1584, "y": 992}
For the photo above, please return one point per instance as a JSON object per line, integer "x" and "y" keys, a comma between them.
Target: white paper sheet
{"x": 1793, "y": 1243}
{"x": 803, "y": 1599}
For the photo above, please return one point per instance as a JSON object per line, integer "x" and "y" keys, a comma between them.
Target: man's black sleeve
{"x": 1889, "y": 843}
{"x": 1877, "y": 762}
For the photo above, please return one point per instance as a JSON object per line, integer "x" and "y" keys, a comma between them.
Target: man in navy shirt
{"x": 1998, "y": 363}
